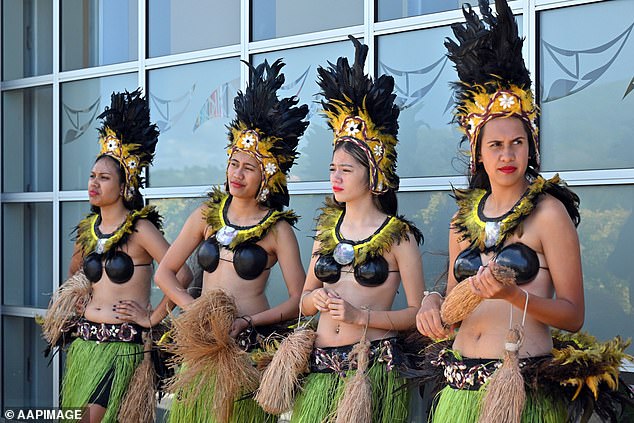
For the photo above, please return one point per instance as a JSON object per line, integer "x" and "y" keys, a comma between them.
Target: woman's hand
{"x": 484, "y": 285}
{"x": 240, "y": 324}
{"x": 131, "y": 312}
{"x": 343, "y": 311}
{"x": 428, "y": 319}
{"x": 321, "y": 299}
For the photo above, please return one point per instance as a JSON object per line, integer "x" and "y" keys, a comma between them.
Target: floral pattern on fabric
{"x": 109, "y": 332}
{"x": 336, "y": 359}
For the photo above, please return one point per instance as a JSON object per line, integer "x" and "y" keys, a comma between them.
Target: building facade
{"x": 61, "y": 59}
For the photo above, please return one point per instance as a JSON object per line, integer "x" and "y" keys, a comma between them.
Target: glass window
{"x": 281, "y": 18}
{"x": 27, "y": 38}
{"x": 192, "y": 104}
{"x": 27, "y": 377}
{"x": 425, "y": 98}
{"x": 175, "y": 212}
{"x": 390, "y": 9}
{"x": 431, "y": 212}
{"x": 301, "y": 80}
{"x": 188, "y": 25}
{"x": 71, "y": 213}
{"x": 586, "y": 86}
{"x": 27, "y": 244}
{"x": 81, "y": 102}
{"x": 27, "y": 145}
{"x": 98, "y": 32}
{"x": 605, "y": 233}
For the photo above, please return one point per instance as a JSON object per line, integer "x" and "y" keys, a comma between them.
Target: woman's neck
{"x": 245, "y": 211}
{"x": 112, "y": 216}
{"x": 362, "y": 212}
{"x": 503, "y": 198}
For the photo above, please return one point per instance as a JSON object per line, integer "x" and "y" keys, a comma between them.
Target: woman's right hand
{"x": 428, "y": 319}
{"x": 321, "y": 298}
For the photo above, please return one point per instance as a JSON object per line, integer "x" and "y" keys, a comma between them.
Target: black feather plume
{"x": 259, "y": 108}
{"x": 343, "y": 84}
{"x": 488, "y": 48}
{"x": 129, "y": 117}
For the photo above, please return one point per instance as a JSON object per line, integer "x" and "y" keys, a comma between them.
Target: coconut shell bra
{"x": 489, "y": 234}
{"x": 249, "y": 259}
{"x": 104, "y": 250}
{"x": 365, "y": 256}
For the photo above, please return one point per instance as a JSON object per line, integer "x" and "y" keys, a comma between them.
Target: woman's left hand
{"x": 484, "y": 285}
{"x": 343, "y": 311}
{"x": 131, "y": 312}
{"x": 240, "y": 324}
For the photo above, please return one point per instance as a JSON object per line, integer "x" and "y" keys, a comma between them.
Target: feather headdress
{"x": 494, "y": 81}
{"x": 127, "y": 135}
{"x": 268, "y": 129}
{"x": 362, "y": 111}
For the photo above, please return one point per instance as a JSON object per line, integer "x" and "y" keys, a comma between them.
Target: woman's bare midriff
{"x": 105, "y": 294}
{"x": 335, "y": 333}
{"x": 483, "y": 333}
{"x": 249, "y": 295}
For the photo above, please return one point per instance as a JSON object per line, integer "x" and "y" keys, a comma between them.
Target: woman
{"x": 115, "y": 247}
{"x": 245, "y": 233}
{"x": 361, "y": 254}
{"x": 509, "y": 216}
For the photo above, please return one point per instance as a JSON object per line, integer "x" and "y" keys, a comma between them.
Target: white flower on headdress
{"x": 248, "y": 141}
{"x": 471, "y": 125}
{"x": 507, "y": 101}
{"x": 132, "y": 163}
{"x": 264, "y": 194}
{"x": 378, "y": 150}
{"x": 353, "y": 128}
{"x": 112, "y": 145}
{"x": 270, "y": 168}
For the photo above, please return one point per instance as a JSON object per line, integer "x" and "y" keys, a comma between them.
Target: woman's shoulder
{"x": 550, "y": 212}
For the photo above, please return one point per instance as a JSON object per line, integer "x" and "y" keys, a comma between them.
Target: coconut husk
{"x": 139, "y": 402}
{"x": 66, "y": 307}
{"x": 355, "y": 404}
{"x": 280, "y": 380}
{"x": 208, "y": 354}
{"x": 505, "y": 394}
{"x": 461, "y": 301}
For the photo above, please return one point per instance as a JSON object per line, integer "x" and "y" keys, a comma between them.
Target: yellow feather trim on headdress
{"x": 483, "y": 105}
{"x": 379, "y": 147}
{"x": 111, "y": 145}
{"x": 258, "y": 146}
{"x": 214, "y": 215}
{"x": 471, "y": 227}
{"x": 393, "y": 230}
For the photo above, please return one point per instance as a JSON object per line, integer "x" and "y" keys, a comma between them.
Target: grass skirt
{"x": 88, "y": 362}
{"x": 463, "y": 405}
{"x": 321, "y": 393}
{"x": 245, "y": 410}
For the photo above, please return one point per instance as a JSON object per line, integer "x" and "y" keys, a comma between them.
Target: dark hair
{"x": 480, "y": 179}
{"x": 137, "y": 202}
{"x": 386, "y": 202}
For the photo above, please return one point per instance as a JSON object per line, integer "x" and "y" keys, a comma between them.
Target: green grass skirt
{"x": 462, "y": 405}
{"x": 318, "y": 400}
{"x": 185, "y": 410}
{"x": 88, "y": 362}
